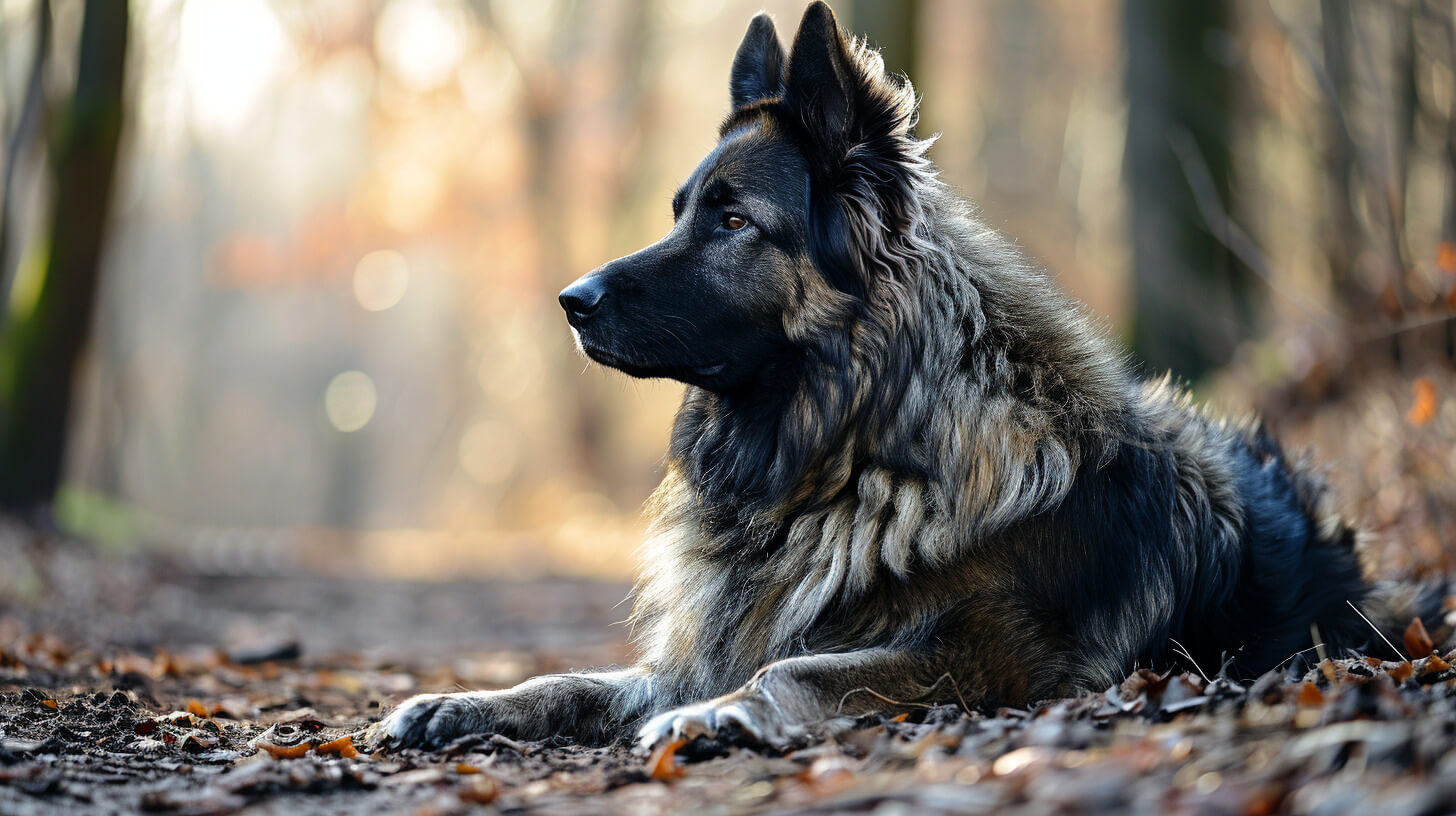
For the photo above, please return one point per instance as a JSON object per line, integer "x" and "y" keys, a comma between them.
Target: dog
{"x": 906, "y": 468}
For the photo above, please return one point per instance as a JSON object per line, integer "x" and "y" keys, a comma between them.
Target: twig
{"x": 1228, "y": 233}
{"x": 956, "y": 687}
{"x": 877, "y": 695}
{"x": 933, "y": 686}
{"x": 1376, "y": 628}
{"x": 1189, "y": 655}
{"x": 1387, "y": 332}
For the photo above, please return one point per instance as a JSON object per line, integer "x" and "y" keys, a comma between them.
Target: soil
{"x": 149, "y": 682}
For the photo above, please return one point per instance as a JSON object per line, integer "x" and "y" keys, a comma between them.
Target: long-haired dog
{"x": 906, "y": 468}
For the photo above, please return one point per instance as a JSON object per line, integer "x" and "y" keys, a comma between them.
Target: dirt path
{"x": 134, "y": 685}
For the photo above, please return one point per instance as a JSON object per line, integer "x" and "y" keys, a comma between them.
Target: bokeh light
{"x": 380, "y": 279}
{"x": 421, "y": 42}
{"x": 230, "y": 51}
{"x": 349, "y": 400}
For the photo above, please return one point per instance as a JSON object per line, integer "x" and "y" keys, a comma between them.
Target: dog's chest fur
{"x": 1148, "y": 548}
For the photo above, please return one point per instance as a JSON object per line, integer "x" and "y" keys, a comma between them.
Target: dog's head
{"x": 785, "y": 233}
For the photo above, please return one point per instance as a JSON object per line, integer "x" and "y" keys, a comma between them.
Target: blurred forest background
{"x": 279, "y": 276}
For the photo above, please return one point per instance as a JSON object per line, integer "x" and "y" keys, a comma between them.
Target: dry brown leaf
{"x": 662, "y": 765}
{"x": 479, "y": 790}
{"x": 1423, "y": 406}
{"x": 196, "y": 708}
{"x": 900, "y": 717}
{"x": 48, "y": 703}
{"x": 1402, "y": 671}
{"x": 1310, "y": 695}
{"x": 1434, "y": 665}
{"x": 1418, "y": 641}
{"x": 466, "y": 769}
{"x": 285, "y": 751}
{"x": 343, "y": 746}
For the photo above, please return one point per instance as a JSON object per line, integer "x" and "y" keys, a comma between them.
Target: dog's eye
{"x": 734, "y": 222}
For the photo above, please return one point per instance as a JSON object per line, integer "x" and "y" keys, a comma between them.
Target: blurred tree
{"x": 1190, "y": 303}
{"x": 892, "y": 27}
{"x": 22, "y": 136}
{"x": 1341, "y": 239}
{"x": 45, "y": 334}
{"x": 1386, "y": 119}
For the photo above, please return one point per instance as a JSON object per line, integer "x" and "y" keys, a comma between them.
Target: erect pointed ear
{"x": 758, "y": 68}
{"x": 820, "y": 81}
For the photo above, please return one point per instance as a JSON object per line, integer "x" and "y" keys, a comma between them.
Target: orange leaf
{"x": 1402, "y": 671}
{"x": 900, "y": 717}
{"x": 1446, "y": 257}
{"x": 481, "y": 790}
{"x": 196, "y": 707}
{"x": 1310, "y": 695}
{"x": 1423, "y": 408}
{"x": 661, "y": 764}
{"x": 343, "y": 746}
{"x": 465, "y": 769}
{"x": 51, "y": 704}
{"x": 1417, "y": 641}
{"x": 285, "y": 751}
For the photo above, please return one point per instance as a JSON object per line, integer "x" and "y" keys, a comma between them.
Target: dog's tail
{"x": 1413, "y": 616}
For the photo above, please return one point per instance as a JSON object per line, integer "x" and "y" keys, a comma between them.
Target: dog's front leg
{"x": 590, "y": 707}
{"x": 785, "y": 699}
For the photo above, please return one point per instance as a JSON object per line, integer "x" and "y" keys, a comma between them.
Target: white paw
{"x": 753, "y": 718}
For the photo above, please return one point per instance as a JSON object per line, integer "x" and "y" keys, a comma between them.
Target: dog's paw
{"x": 741, "y": 717}
{"x": 430, "y": 721}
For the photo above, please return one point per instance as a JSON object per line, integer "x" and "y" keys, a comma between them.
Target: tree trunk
{"x": 892, "y": 27}
{"x": 43, "y": 341}
{"x": 1190, "y": 294}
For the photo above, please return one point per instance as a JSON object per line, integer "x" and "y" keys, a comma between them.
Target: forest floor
{"x": 143, "y": 682}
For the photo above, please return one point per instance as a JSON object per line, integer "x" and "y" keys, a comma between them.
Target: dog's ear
{"x": 862, "y": 153}
{"x": 821, "y": 75}
{"x": 758, "y": 68}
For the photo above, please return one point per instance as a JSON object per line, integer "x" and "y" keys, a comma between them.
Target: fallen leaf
{"x": 1418, "y": 642}
{"x": 1446, "y": 257}
{"x": 828, "y": 775}
{"x": 662, "y": 765}
{"x": 343, "y": 746}
{"x": 195, "y": 707}
{"x": 1310, "y": 695}
{"x": 1423, "y": 407}
{"x": 1402, "y": 671}
{"x": 466, "y": 769}
{"x": 49, "y": 703}
{"x": 198, "y": 741}
{"x": 285, "y": 751}
{"x": 480, "y": 790}
{"x": 1433, "y": 665}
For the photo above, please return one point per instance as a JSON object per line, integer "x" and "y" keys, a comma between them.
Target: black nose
{"x": 582, "y": 298}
